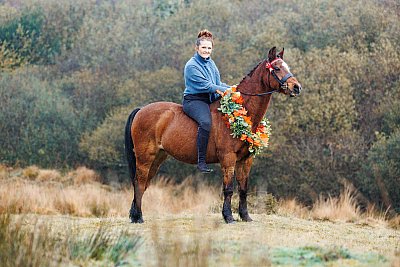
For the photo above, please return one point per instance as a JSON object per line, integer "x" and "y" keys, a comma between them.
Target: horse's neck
{"x": 256, "y": 105}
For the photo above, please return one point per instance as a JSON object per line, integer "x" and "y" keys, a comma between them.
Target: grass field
{"x": 52, "y": 219}
{"x": 205, "y": 240}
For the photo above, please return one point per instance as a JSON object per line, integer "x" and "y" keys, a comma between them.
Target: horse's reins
{"x": 282, "y": 82}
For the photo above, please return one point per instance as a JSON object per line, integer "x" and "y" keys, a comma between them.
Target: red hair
{"x": 204, "y": 35}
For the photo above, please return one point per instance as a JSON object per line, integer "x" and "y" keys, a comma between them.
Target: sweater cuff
{"x": 215, "y": 87}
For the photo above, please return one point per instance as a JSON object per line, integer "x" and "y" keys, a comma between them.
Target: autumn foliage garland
{"x": 236, "y": 119}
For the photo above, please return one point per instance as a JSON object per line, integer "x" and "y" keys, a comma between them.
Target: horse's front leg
{"x": 228, "y": 171}
{"x": 242, "y": 176}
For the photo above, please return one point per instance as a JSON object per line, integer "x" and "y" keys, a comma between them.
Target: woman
{"x": 203, "y": 86}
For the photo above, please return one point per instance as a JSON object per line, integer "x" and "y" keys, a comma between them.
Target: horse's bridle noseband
{"x": 282, "y": 82}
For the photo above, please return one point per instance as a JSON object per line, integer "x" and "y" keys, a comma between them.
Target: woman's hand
{"x": 219, "y": 92}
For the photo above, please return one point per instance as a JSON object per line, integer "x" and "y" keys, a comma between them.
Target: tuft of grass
{"x": 395, "y": 223}
{"x": 100, "y": 207}
{"x": 38, "y": 246}
{"x": 31, "y": 172}
{"x": 343, "y": 208}
{"x": 21, "y": 247}
{"x": 83, "y": 175}
{"x": 48, "y": 175}
{"x": 290, "y": 207}
{"x": 4, "y": 171}
{"x": 103, "y": 245}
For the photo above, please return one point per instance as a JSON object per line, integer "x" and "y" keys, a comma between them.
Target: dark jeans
{"x": 199, "y": 111}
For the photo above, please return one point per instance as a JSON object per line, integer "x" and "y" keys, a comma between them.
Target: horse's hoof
{"x": 229, "y": 219}
{"x": 247, "y": 219}
{"x": 140, "y": 220}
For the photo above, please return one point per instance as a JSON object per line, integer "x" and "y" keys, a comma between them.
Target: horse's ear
{"x": 280, "y": 55}
{"x": 272, "y": 54}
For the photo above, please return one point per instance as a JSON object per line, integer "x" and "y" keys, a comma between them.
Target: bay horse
{"x": 162, "y": 128}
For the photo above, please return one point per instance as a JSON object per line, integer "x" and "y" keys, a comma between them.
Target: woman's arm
{"x": 196, "y": 82}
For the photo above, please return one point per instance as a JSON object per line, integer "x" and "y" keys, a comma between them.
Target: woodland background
{"x": 71, "y": 72}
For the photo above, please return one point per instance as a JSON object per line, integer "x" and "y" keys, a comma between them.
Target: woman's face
{"x": 205, "y": 48}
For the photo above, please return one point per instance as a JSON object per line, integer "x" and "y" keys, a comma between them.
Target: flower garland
{"x": 236, "y": 119}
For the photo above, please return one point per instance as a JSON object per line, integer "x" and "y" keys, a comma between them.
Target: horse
{"x": 162, "y": 128}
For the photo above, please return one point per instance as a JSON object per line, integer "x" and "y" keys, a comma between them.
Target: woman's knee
{"x": 205, "y": 125}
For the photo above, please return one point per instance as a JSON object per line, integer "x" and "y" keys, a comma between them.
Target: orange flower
{"x": 235, "y": 96}
{"x": 264, "y": 136}
{"x": 233, "y": 88}
{"x": 239, "y": 100}
{"x": 261, "y": 129}
{"x": 249, "y": 139}
{"x": 247, "y": 119}
{"x": 257, "y": 143}
{"x": 243, "y": 137}
{"x": 240, "y": 112}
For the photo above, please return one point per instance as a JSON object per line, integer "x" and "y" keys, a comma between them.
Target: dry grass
{"x": 395, "y": 223}
{"x": 346, "y": 208}
{"x": 3, "y": 171}
{"x": 343, "y": 208}
{"x": 83, "y": 175}
{"x": 48, "y": 175}
{"x": 37, "y": 244}
{"x": 290, "y": 207}
{"x": 31, "y": 172}
{"x": 166, "y": 197}
{"x": 33, "y": 190}
{"x": 78, "y": 193}
{"x": 179, "y": 228}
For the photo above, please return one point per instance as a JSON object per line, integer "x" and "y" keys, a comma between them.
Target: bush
{"x": 38, "y": 125}
{"x": 380, "y": 176}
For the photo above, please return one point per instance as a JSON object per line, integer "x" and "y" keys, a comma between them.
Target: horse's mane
{"x": 252, "y": 71}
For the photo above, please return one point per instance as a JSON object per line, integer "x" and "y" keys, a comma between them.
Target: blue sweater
{"x": 202, "y": 76}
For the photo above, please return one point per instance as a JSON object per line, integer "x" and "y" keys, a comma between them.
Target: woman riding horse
{"x": 162, "y": 128}
{"x": 203, "y": 86}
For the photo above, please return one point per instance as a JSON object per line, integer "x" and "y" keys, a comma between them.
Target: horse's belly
{"x": 179, "y": 141}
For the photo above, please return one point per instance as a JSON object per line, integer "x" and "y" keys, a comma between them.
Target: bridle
{"x": 282, "y": 82}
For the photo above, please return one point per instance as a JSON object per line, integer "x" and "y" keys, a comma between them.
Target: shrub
{"x": 380, "y": 175}
{"x": 31, "y": 172}
{"x": 38, "y": 125}
{"x": 49, "y": 175}
{"x": 83, "y": 175}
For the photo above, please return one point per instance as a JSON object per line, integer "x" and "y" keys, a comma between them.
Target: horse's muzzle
{"x": 296, "y": 90}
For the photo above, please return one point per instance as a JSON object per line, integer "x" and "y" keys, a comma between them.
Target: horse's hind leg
{"x": 146, "y": 169}
{"x": 242, "y": 176}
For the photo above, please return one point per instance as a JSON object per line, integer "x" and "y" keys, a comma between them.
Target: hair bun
{"x": 205, "y": 34}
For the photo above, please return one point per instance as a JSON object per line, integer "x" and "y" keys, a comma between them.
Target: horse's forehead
{"x": 285, "y": 65}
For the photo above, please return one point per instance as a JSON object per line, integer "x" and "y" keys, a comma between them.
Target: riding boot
{"x": 202, "y": 142}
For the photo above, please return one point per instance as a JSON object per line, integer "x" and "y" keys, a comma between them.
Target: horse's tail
{"x": 130, "y": 153}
